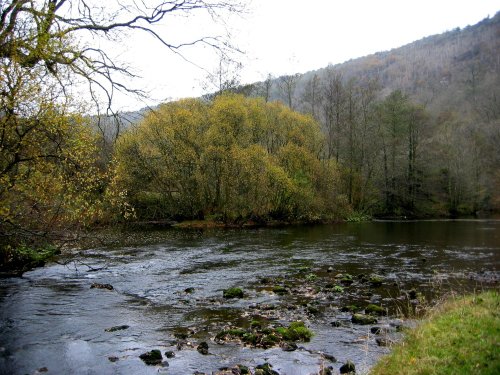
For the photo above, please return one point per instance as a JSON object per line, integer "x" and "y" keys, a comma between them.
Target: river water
{"x": 52, "y": 321}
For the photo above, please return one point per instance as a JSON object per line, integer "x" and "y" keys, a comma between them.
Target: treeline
{"x": 400, "y": 159}
{"x": 356, "y": 154}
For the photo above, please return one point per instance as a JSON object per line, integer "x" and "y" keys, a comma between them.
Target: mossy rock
{"x": 250, "y": 338}
{"x": 256, "y": 324}
{"x": 311, "y": 277}
{"x": 363, "y": 319}
{"x": 375, "y": 310}
{"x": 269, "y": 341}
{"x": 244, "y": 370}
{"x": 152, "y": 358}
{"x": 265, "y": 369}
{"x": 232, "y": 293}
{"x": 312, "y": 310}
{"x": 236, "y": 332}
{"x": 337, "y": 289}
{"x": 303, "y": 269}
{"x": 348, "y": 368}
{"x": 350, "y": 308}
{"x": 280, "y": 290}
{"x": 297, "y": 331}
{"x": 346, "y": 279}
{"x": 376, "y": 280}
{"x": 202, "y": 348}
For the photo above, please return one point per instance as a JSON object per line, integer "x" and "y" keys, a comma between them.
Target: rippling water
{"x": 52, "y": 319}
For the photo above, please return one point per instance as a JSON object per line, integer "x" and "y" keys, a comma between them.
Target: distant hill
{"x": 449, "y": 70}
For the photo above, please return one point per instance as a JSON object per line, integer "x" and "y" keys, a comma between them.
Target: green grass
{"x": 462, "y": 336}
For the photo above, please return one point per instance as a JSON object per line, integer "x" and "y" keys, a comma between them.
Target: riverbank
{"x": 459, "y": 336}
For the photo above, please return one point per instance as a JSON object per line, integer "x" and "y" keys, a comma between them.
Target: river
{"x": 168, "y": 286}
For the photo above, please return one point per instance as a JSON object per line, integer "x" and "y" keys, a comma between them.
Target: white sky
{"x": 292, "y": 36}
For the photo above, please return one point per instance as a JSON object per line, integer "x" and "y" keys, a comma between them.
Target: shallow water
{"x": 52, "y": 319}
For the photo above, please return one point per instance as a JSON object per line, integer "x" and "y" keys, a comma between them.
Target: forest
{"x": 381, "y": 136}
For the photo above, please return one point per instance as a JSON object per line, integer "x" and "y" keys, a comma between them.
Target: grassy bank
{"x": 462, "y": 336}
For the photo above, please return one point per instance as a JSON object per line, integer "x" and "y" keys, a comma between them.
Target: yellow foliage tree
{"x": 235, "y": 158}
{"x": 49, "y": 180}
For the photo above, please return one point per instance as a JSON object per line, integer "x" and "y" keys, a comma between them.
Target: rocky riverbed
{"x": 297, "y": 300}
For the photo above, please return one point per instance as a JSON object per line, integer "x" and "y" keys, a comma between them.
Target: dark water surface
{"x": 52, "y": 320}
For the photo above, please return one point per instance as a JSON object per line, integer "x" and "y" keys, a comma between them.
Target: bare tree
{"x": 311, "y": 95}
{"x": 334, "y": 102}
{"x": 50, "y": 33}
{"x": 287, "y": 85}
{"x": 266, "y": 86}
{"x": 225, "y": 77}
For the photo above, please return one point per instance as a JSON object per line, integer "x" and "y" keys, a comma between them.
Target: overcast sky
{"x": 292, "y": 36}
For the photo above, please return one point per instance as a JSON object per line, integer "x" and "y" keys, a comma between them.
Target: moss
{"x": 17, "y": 260}
{"x": 311, "y": 277}
{"x": 458, "y": 337}
{"x": 350, "y": 308}
{"x": 256, "y": 324}
{"x": 281, "y": 290}
{"x": 376, "y": 280}
{"x": 232, "y": 293}
{"x": 303, "y": 269}
{"x": 243, "y": 370}
{"x": 250, "y": 338}
{"x": 297, "y": 331}
{"x": 363, "y": 319}
{"x": 236, "y": 332}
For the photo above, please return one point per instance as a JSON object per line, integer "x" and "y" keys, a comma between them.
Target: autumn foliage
{"x": 232, "y": 159}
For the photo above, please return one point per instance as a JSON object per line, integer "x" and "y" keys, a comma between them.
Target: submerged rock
{"x": 202, "y": 348}
{"x": 169, "y": 354}
{"x": 101, "y": 286}
{"x": 289, "y": 346}
{"x": 113, "y": 359}
{"x": 329, "y": 357}
{"x": 117, "y": 328}
{"x": 152, "y": 358}
{"x": 363, "y": 319}
{"x": 348, "y": 368}
{"x": 384, "y": 341}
